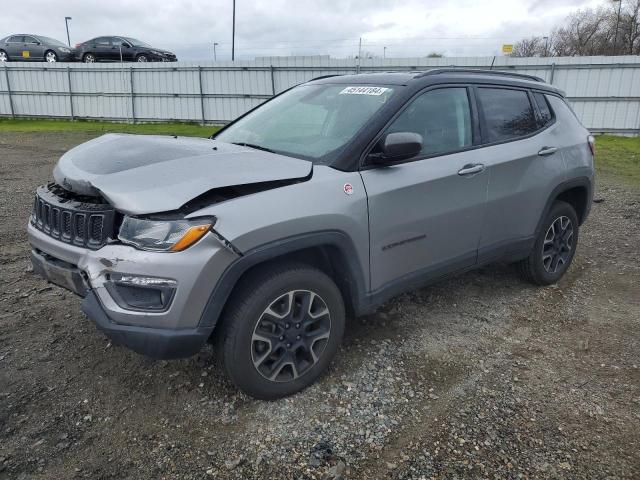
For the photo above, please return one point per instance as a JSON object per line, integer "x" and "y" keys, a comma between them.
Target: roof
{"x": 440, "y": 75}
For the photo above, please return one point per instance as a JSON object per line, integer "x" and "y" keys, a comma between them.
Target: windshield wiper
{"x": 251, "y": 145}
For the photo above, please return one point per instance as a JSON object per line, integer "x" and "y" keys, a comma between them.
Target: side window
{"x": 546, "y": 116}
{"x": 507, "y": 114}
{"x": 16, "y": 39}
{"x": 102, "y": 41}
{"x": 442, "y": 117}
{"x": 30, "y": 40}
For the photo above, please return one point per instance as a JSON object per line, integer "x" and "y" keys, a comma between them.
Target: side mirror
{"x": 399, "y": 146}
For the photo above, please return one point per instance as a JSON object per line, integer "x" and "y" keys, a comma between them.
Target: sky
{"x": 297, "y": 27}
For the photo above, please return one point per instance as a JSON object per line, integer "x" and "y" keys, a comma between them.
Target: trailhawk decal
{"x": 364, "y": 91}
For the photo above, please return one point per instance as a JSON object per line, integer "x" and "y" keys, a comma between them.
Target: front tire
{"x": 50, "y": 56}
{"x": 554, "y": 248}
{"x": 142, "y": 58}
{"x": 281, "y": 329}
{"x": 89, "y": 58}
{"x": 3, "y": 56}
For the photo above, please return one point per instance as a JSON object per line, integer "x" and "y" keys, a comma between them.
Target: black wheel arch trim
{"x": 584, "y": 182}
{"x": 355, "y": 277}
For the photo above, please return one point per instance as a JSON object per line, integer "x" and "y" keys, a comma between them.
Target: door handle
{"x": 471, "y": 168}
{"x": 544, "y": 151}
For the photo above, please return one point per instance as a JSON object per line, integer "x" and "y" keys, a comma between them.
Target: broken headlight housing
{"x": 163, "y": 235}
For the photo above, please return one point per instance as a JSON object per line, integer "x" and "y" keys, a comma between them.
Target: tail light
{"x": 77, "y": 45}
{"x": 592, "y": 144}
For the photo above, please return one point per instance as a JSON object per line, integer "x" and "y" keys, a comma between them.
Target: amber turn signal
{"x": 190, "y": 237}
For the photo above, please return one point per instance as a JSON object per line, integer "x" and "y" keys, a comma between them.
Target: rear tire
{"x": 281, "y": 328}
{"x": 554, "y": 248}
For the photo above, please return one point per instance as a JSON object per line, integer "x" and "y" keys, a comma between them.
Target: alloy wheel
{"x": 3, "y": 57}
{"x": 142, "y": 58}
{"x": 88, "y": 58}
{"x": 290, "y": 335}
{"x": 558, "y": 244}
{"x": 51, "y": 57}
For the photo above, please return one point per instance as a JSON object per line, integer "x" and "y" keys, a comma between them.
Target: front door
{"x": 103, "y": 49}
{"x": 425, "y": 215}
{"x": 34, "y": 48}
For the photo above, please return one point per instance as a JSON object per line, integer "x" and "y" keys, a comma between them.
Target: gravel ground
{"x": 480, "y": 376}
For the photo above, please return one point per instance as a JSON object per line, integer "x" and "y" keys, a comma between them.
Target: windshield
{"x": 136, "y": 42}
{"x": 53, "y": 41}
{"x": 310, "y": 121}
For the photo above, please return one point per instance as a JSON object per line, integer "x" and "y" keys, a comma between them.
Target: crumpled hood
{"x": 140, "y": 174}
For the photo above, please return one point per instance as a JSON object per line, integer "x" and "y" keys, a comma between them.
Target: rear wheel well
{"x": 577, "y": 197}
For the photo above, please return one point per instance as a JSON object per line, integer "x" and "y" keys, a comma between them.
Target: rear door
{"x": 524, "y": 162}
{"x": 14, "y": 47}
{"x": 425, "y": 215}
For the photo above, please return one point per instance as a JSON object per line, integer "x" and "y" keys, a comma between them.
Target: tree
{"x": 435, "y": 55}
{"x": 589, "y": 32}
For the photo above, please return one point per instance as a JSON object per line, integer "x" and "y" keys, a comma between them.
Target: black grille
{"x": 78, "y": 220}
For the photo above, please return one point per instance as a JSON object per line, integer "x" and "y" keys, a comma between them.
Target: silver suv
{"x": 318, "y": 205}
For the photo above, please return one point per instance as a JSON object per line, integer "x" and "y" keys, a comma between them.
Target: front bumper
{"x": 153, "y": 342}
{"x": 67, "y": 57}
{"x": 170, "y": 333}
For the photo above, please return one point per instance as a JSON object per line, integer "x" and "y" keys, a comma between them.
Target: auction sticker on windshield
{"x": 363, "y": 91}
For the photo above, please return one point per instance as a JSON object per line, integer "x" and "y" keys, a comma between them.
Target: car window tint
{"x": 442, "y": 117}
{"x": 30, "y": 40}
{"x": 102, "y": 41}
{"x": 545, "y": 111}
{"x": 16, "y": 39}
{"x": 507, "y": 113}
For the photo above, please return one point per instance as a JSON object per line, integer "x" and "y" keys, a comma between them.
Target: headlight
{"x": 64, "y": 49}
{"x": 163, "y": 235}
{"x": 155, "y": 52}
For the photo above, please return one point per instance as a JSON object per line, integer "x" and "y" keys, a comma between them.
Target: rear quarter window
{"x": 546, "y": 115}
{"x": 507, "y": 114}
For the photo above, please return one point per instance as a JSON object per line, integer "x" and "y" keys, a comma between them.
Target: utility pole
{"x": 215, "y": 57}
{"x": 615, "y": 40}
{"x": 384, "y": 52}
{"x": 66, "y": 23}
{"x": 546, "y": 46}
{"x": 359, "y": 54}
{"x": 233, "y": 33}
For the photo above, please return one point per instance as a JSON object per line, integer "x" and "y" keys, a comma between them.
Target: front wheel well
{"x": 578, "y": 198}
{"x": 327, "y": 258}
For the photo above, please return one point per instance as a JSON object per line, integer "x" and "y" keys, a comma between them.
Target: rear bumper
{"x": 153, "y": 342}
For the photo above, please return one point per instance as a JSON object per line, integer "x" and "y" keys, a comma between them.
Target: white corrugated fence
{"x": 604, "y": 91}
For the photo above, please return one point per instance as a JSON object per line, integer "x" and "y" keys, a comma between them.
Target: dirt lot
{"x": 480, "y": 376}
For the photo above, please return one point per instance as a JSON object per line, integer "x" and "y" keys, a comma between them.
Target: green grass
{"x": 184, "y": 129}
{"x": 619, "y": 156}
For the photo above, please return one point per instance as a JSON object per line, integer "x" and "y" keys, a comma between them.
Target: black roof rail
{"x": 325, "y": 76}
{"x": 479, "y": 71}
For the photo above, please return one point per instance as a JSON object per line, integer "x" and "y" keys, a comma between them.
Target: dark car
{"x": 120, "y": 49}
{"x": 35, "y": 48}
